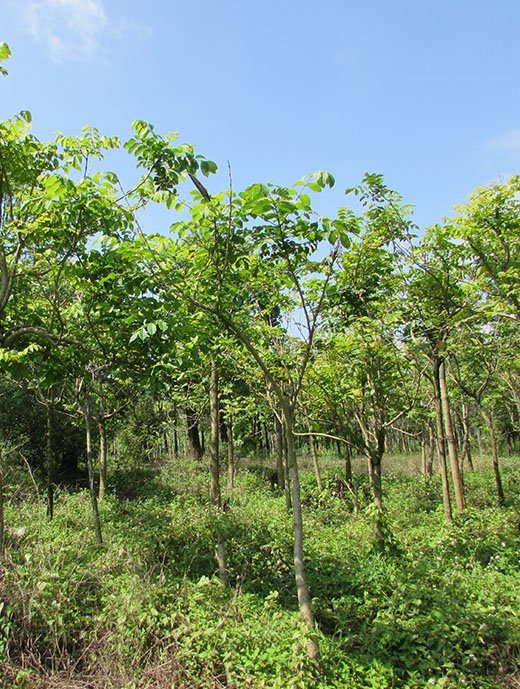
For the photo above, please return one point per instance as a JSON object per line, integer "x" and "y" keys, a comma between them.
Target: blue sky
{"x": 424, "y": 92}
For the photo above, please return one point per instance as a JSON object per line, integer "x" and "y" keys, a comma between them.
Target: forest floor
{"x": 440, "y": 608}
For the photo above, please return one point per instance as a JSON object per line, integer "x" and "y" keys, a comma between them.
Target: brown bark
{"x": 450, "y": 438}
{"x": 102, "y": 456}
{"x": 466, "y": 446}
{"x": 193, "y": 435}
{"x": 494, "y": 455}
{"x": 2, "y": 517}
{"x": 431, "y": 452}
{"x": 441, "y": 443}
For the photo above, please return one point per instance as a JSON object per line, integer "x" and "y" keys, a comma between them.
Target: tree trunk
{"x": 266, "y": 437}
{"x": 2, "y": 517}
{"x": 441, "y": 444}
{"x": 193, "y": 435}
{"x": 315, "y": 462}
{"x": 216, "y": 498}
{"x": 175, "y": 433}
{"x": 494, "y": 454}
{"x": 349, "y": 481}
{"x": 231, "y": 455}
{"x": 287, "y": 473}
{"x": 431, "y": 451}
{"x": 91, "y": 477}
{"x": 102, "y": 456}
{"x": 466, "y": 447}
{"x": 450, "y": 437}
{"x": 214, "y": 432}
{"x": 314, "y": 454}
{"x": 304, "y": 601}
{"x": 279, "y": 452}
{"x": 515, "y": 388}
{"x": 51, "y": 464}
{"x": 374, "y": 456}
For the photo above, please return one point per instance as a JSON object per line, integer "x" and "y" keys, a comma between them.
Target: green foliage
{"x": 5, "y": 54}
{"x": 440, "y": 609}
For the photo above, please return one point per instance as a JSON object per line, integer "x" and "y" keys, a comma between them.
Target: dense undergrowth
{"x": 440, "y": 608}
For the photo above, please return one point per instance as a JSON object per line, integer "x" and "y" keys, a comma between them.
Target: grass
{"x": 440, "y": 608}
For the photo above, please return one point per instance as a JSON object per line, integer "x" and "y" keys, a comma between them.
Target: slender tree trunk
{"x": 266, "y": 437}
{"x": 175, "y": 433}
{"x": 91, "y": 476}
{"x": 214, "y": 432}
{"x": 50, "y": 461}
{"x": 374, "y": 456}
{"x": 278, "y": 435}
{"x": 315, "y": 462}
{"x": 431, "y": 451}
{"x": 304, "y": 601}
{"x": 349, "y": 481}
{"x": 441, "y": 443}
{"x": 102, "y": 456}
{"x": 314, "y": 453}
{"x": 450, "y": 437}
{"x": 466, "y": 446}
{"x": 287, "y": 473}
{"x": 231, "y": 455}
{"x": 424, "y": 458}
{"x": 494, "y": 454}
{"x": 2, "y": 517}
{"x": 515, "y": 388}
{"x": 216, "y": 498}
{"x": 347, "y": 455}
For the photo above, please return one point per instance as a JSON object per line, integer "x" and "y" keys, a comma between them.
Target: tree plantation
{"x": 252, "y": 446}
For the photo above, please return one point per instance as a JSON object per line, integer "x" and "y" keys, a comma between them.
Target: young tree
{"x": 438, "y": 303}
{"x": 240, "y": 259}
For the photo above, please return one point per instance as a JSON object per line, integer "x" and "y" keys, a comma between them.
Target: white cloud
{"x": 72, "y": 29}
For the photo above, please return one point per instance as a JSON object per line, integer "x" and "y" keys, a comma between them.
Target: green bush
{"x": 146, "y": 609}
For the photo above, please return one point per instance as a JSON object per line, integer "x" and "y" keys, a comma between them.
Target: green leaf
{"x": 207, "y": 167}
{"x": 305, "y": 200}
{"x": 323, "y": 179}
{"x": 5, "y": 54}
